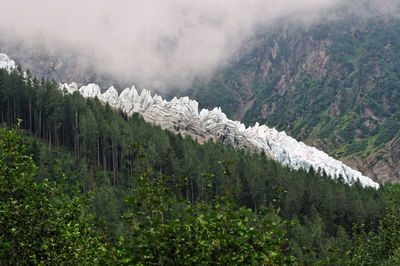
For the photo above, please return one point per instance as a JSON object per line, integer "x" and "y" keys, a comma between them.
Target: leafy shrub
{"x": 38, "y": 224}
{"x": 389, "y": 129}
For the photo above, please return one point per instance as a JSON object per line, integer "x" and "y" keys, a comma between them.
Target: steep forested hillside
{"x": 334, "y": 85}
{"x": 113, "y": 155}
{"x": 82, "y": 183}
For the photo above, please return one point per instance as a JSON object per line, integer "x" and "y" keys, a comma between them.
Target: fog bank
{"x": 152, "y": 42}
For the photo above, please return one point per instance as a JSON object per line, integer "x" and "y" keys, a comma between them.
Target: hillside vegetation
{"x": 181, "y": 200}
{"x": 334, "y": 85}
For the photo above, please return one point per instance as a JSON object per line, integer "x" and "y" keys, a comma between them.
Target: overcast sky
{"x": 150, "y": 40}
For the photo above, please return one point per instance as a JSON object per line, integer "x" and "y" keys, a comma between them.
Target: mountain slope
{"x": 334, "y": 85}
{"x": 182, "y": 115}
{"x": 106, "y": 151}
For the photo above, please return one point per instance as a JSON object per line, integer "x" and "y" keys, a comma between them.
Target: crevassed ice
{"x": 182, "y": 115}
{"x": 6, "y": 62}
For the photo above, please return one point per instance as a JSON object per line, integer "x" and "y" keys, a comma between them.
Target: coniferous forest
{"x": 81, "y": 183}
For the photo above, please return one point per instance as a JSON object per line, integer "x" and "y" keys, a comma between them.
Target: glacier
{"x": 181, "y": 115}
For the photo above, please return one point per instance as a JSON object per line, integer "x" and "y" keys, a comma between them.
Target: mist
{"x": 154, "y": 42}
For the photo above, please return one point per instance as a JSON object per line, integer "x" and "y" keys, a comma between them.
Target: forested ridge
{"x": 183, "y": 203}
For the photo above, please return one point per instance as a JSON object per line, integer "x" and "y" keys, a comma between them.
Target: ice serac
{"x": 111, "y": 97}
{"x": 91, "y": 91}
{"x": 182, "y": 115}
{"x": 69, "y": 88}
{"x": 6, "y": 62}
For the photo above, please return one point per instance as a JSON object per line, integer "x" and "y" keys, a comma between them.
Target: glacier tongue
{"x": 182, "y": 115}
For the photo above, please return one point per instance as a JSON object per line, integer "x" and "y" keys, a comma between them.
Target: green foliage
{"x": 38, "y": 224}
{"x": 99, "y": 148}
{"x": 328, "y": 128}
{"x": 355, "y": 147}
{"x": 388, "y": 132}
{"x": 348, "y": 132}
{"x": 380, "y": 247}
{"x": 169, "y": 230}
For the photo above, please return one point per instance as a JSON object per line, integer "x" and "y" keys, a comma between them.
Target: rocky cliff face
{"x": 334, "y": 85}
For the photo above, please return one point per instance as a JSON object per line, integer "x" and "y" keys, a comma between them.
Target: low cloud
{"x": 154, "y": 42}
